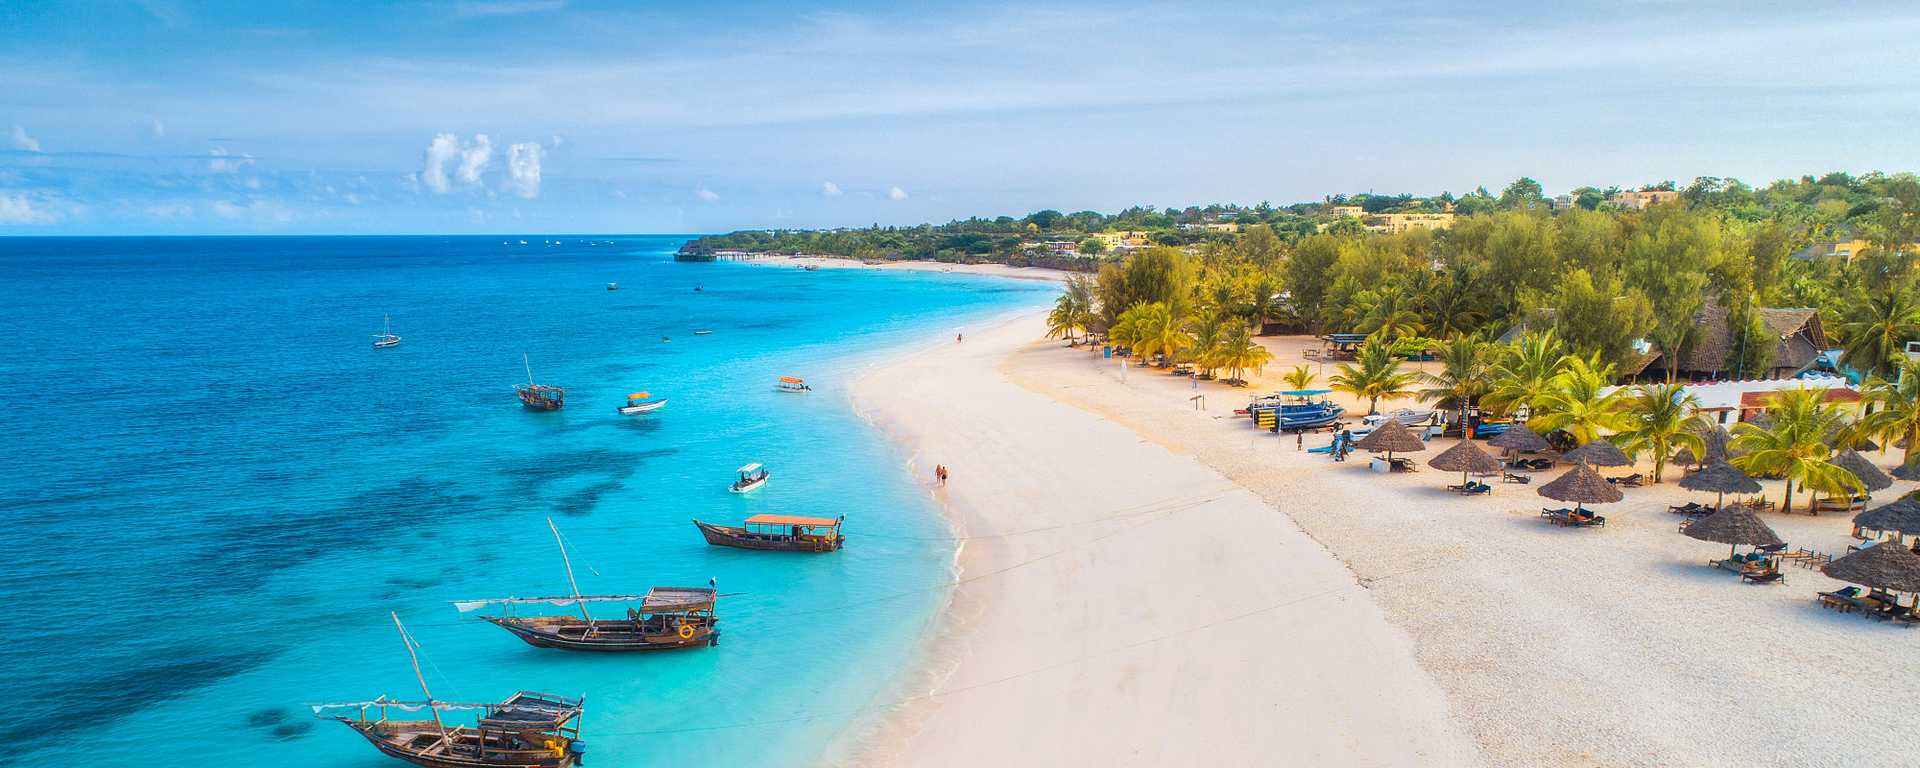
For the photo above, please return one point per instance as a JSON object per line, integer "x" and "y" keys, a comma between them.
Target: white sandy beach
{"x": 1151, "y": 583}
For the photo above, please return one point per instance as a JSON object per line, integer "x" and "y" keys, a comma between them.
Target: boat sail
{"x": 528, "y": 729}
{"x": 664, "y": 618}
{"x": 540, "y": 397}
{"x": 386, "y": 338}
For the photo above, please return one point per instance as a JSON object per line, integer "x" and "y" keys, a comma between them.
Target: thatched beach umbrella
{"x": 1720, "y": 478}
{"x": 1519, "y": 438}
{"x": 1908, "y": 471}
{"x": 1886, "y": 565}
{"x": 1902, "y": 516}
{"x": 1581, "y": 485}
{"x": 1599, "y": 453}
{"x": 1685, "y": 456}
{"x": 1465, "y": 457}
{"x": 1870, "y": 475}
{"x": 1733, "y": 526}
{"x": 1390, "y": 436}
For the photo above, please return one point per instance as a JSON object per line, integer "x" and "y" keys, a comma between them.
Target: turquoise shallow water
{"x": 215, "y": 489}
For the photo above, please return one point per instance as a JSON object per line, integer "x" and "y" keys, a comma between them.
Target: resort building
{"x": 1346, "y": 211}
{"x": 1640, "y": 200}
{"x": 1796, "y": 333}
{"x": 1395, "y": 223}
{"x": 1212, "y": 226}
{"x": 1729, "y": 402}
{"x": 1118, "y": 240}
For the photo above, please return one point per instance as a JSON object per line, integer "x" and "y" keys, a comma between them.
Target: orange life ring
{"x": 686, "y": 631}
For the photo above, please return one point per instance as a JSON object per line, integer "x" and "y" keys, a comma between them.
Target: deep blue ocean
{"x": 215, "y": 489}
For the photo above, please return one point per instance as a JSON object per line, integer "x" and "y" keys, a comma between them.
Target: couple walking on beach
{"x": 940, "y": 474}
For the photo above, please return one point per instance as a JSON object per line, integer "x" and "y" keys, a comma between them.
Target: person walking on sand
{"x": 957, "y": 338}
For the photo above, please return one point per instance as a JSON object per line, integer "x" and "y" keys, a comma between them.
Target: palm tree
{"x": 1462, "y": 378}
{"x": 1899, "y": 414}
{"x": 1299, "y": 379}
{"x": 1658, "y": 417}
{"x": 1073, "y": 311}
{"x": 1157, "y": 332}
{"x": 1208, "y": 336}
{"x": 1793, "y": 445}
{"x": 1877, "y": 330}
{"x": 1239, "y": 353}
{"x": 1125, "y": 331}
{"x": 1576, "y": 403}
{"x": 1524, "y": 373}
{"x": 1377, "y": 377}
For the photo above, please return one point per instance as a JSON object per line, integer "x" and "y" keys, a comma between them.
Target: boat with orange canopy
{"x": 638, "y": 403}
{"x": 793, "y": 384}
{"x": 783, "y": 533}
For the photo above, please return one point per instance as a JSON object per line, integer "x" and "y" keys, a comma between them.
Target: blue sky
{"x": 579, "y": 116}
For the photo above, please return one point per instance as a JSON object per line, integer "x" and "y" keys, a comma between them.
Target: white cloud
{"x": 17, "y": 209}
{"x": 523, "y": 169}
{"x": 705, "y": 194}
{"x": 829, "y": 189}
{"x": 22, "y": 141}
{"x": 159, "y": 128}
{"x": 170, "y": 210}
{"x": 557, "y": 141}
{"x": 896, "y": 193}
{"x": 257, "y": 211}
{"x": 506, "y": 7}
{"x": 475, "y": 158}
{"x": 227, "y": 162}
{"x": 443, "y": 149}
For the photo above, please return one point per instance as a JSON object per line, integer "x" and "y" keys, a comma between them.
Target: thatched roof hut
{"x": 1733, "y": 526}
{"x": 1908, "y": 471}
{"x": 1720, "y": 478}
{"x": 1519, "y": 438}
{"x": 1901, "y": 516}
{"x": 1390, "y": 436}
{"x": 1886, "y": 565}
{"x": 1870, "y": 475}
{"x": 1581, "y": 485}
{"x": 1466, "y": 457}
{"x": 1599, "y": 453}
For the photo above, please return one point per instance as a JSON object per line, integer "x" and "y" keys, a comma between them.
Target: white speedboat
{"x": 386, "y": 338}
{"x": 1407, "y": 416}
{"x": 792, "y": 384}
{"x": 752, "y": 476}
{"x": 637, "y": 403}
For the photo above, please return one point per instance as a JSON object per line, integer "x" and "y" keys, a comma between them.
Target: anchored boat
{"x": 1295, "y": 410}
{"x": 662, "y": 619}
{"x": 386, "y": 338}
{"x": 540, "y": 397}
{"x": 783, "y": 533}
{"x": 752, "y": 476}
{"x": 637, "y": 403}
{"x": 540, "y": 730}
{"x": 792, "y": 384}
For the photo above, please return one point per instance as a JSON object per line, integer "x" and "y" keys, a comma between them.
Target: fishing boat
{"x": 613, "y": 286}
{"x": 386, "y": 337}
{"x": 637, "y": 403}
{"x": 782, "y": 533}
{"x": 664, "y": 618}
{"x": 540, "y": 730}
{"x": 752, "y": 476}
{"x": 1295, "y": 410}
{"x": 540, "y": 397}
{"x": 792, "y": 384}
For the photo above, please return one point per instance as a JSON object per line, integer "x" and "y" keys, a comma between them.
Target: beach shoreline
{"x": 986, "y": 270}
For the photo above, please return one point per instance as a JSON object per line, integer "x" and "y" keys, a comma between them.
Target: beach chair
{"x": 1634, "y": 480}
{"x": 1509, "y": 477}
{"x": 1402, "y": 464}
{"x": 1765, "y": 575}
{"x": 1587, "y": 520}
{"x": 1844, "y": 600}
{"x": 1471, "y": 488}
{"x": 1689, "y": 508}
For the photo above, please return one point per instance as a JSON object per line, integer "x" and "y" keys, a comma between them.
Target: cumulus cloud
{"x": 896, "y": 193}
{"x": 523, "y": 168}
{"x": 829, "y": 189}
{"x": 475, "y": 158}
{"x": 17, "y": 209}
{"x": 227, "y": 162}
{"x": 705, "y": 194}
{"x": 22, "y": 141}
{"x": 441, "y": 151}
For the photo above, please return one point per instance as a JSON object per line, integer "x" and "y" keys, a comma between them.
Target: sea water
{"x": 216, "y": 489}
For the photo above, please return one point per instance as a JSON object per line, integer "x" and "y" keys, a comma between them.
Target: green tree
{"x": 1378, "y": 376}
{"x": 1658, "y": 418}
{"x": 1897, "y": 413}
{"x": 1093, "y": 246}
{"x": 1524, "y": 194}
{"x": 1578, "y": 402}
{"x": 1877, "y": 331}
{"x": 1597, "y": 315}
{"x": 1462, "y": 378}
{"x": 1524, "y": 373}
{"x": 1239, "y": 353}
{"x": 1793, "y": 445}
{"x": 1299, "y": 379}
{"x": 1208, "y": 331}
{"x": 1073, "y": 310}
{"x": 1306, "y": 275}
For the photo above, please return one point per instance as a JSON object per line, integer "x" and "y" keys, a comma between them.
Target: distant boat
{"x": 811, "y": 267}
{"x": 792, "y": 384}
{"x": 697, "y": 289}
{"x": 540, "y": 397}
{"x": 666, "y": 340}
{"x": 528, "y": 729}
{"x": 703, "y": 332}
{"x": 1408, "y": 416}
{"x": 386, "y": 338}
{"x": 637, "y": 403}
{"x": 752, "y": 477}
{"x": 613, "y": 286}
{"x": 783, "y": 533}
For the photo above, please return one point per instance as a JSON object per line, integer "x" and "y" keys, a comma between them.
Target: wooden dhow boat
{"x": 782, "y": 533}
{"x": 637, "y": 403}
{"x": 664, "y": 618}
{"x": 539, "y": 730}
{"x": 540, "y": 397}
{"x": 752, "y": 478}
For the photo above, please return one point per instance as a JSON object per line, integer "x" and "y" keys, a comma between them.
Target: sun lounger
{"x": 1765, "y": 576}
{"x": 1690, "y": 508}
{"x": 1845, "y": 600}
{"x": 1634, "y": 480}
{"x": 1402, "y": 464}
{"x": 1509, "y": 477}
{"x": 1471, "y": 488}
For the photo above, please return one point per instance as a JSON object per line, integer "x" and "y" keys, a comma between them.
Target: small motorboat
{"x": 1295, "y": 410}
{"x": 666, "y": 340}
{"x": 697, "y": 289}
{"x": 703, "y": 332}
{"x": 752, "y": 477}
{"x": 386, "y": 338}
{"x": 792, "y": 384}
{"x": 1408, "y": 416}
{"x": 613, "y": 286}
{"x": 637, "y": 403}
{"x": 781, "y": 533}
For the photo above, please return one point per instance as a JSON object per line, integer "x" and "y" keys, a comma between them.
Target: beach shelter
{"x": 1902, "y": 516}
{"x": 1886, "y": 565}
{"x": 1908, "y": 471}
{"x": 1390, "y": 436}
{"x": 1521, "y": 439}
{"x": 1720, "y": 478}
{"x": 1581, "y": 485}
{"x": 1870, "y": 475}
{"x": 1599, "y": 453}
{"x": 1466, "y": 458}
{"x": 1685, "y": 457}
{"x": 1733, "y": 526}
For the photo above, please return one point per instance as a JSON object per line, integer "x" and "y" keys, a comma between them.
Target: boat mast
{"x": 529, "y": 367}
{"x": 570, "y": 582}
{"x": 407, "y": 640}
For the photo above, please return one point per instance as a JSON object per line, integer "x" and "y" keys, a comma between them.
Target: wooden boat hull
{"x": 648, "y": 407}
{"x": 396, "y": 739}
{"x": 739, "y": 538}
{"x": 611, "y": 636}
